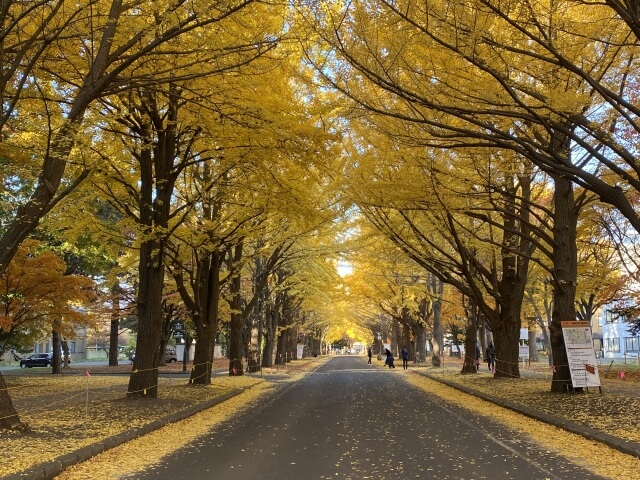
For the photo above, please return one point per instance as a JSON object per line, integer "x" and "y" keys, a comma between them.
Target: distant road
{"x": 350, "y": 420}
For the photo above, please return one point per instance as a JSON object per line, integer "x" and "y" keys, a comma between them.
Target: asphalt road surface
{"x": 350, "y": 420}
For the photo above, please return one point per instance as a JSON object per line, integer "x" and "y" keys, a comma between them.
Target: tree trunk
{"x": 115, "y": 326}
{"x": 533, "y": 347}
{"x": 470, "y": 341}
{"x": 203, "y": 356}
{"x": 564, "y": 278}
{"x": 281, "y": 350}
{"x": 56, "y": 368}
{"x": 438, "y": 333}
{"x": 235, "y": 329}
{"x": 66, "y": 356}
{"x": 144, "y": 376}
{"x": 269, "y": 337}
{"x": 9, "y": 419}
{"x": 253, "y": 349}
{"x": 420, "y": 342}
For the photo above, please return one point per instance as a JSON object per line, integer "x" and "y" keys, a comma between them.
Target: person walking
{"x": 491, "y": 357}
{"x": 389, "y": 360}
{"x": 369, "y": 354}
{"x": 405, "y": 357}
{"x": 477, "y": 357}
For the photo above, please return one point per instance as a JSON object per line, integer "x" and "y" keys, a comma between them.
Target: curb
{"x": 590, "y": 433}
{"x": 49, "y": 470}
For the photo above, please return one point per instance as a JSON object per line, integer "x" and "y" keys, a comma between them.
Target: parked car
{"x": 170, "y": 355}
{"x": 37, "y": 360}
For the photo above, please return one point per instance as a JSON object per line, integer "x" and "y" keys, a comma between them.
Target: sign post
{"x": 578, "y": 343}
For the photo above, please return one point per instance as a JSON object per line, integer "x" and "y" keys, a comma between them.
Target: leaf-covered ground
{"x": 594, "y": 456}
{"x": 62, "y": 419}
{"x": 613, "y": 411}
{"x": 69, "y": 411}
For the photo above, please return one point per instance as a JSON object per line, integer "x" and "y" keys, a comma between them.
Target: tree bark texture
{"x": 9, "y": 419}
{"x": 236, "y": 352}
{"x": 114, "y": 325}
{"x": 144, "y": 376}
{"x": 437, "y": 290}
{"x": 470, "y": 341}
{"x": 565, "y": 268}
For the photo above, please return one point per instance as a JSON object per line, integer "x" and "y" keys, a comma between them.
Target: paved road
{"x": 349, "y": 420}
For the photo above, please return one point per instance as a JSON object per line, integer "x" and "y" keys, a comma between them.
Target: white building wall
{"x": 617, "y": 341}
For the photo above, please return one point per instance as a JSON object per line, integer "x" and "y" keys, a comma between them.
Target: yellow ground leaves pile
{"x": 594, "y": 456}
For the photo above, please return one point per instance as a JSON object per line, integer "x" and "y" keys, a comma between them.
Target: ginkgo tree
{"x": 553, "y": 83}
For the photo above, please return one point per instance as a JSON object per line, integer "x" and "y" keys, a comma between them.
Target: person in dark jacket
{"x": 389, "y": 360}
{"x": 369, "y": 354}
{"x": 405, "y": 357}
{"x": 490, "y": 357}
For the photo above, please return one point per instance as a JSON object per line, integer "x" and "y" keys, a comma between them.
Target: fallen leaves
{"x": 68, "y": 412}
{"x": 146, "y": 451}
{"x": 597, "y": 457}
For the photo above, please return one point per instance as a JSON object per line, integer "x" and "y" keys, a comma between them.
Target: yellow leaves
{"x": 68, "y": 425}
{"x": 605, "y": 461}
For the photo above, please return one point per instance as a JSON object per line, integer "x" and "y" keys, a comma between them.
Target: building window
{"x": 609, "y": 317}
{"x": 612, "y": 344}
{"x": 631, "y": 344}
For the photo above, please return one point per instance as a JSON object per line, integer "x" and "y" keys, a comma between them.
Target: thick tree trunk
{"x": 269, "y": 337}
{"x": 506, "y": 335}
{"x": 144, "y": 376}
{"x": 438, "y": 333}
{"x": 253, "y": 350}
{"x": 470, "y": 341}
{"x": 281, "y": 350}
{"x": 9, "y": 419}
{"x": 203, "y": 356}
{"x": 236, "y": 352}
{"x": 564, "y": 278}
{"x": 204, "y": 304}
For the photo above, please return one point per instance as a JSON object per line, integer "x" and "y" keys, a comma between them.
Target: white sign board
{"x": 300, "y": 351}
{"x": 582, "y": 357}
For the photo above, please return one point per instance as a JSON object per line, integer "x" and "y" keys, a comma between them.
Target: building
{"x": 617, "y": 342}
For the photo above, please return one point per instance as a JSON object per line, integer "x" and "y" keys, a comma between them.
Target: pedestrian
{"x": 369, "y": 354}
{"x": 477, "y": 357}
{"x": 405, "y": 357}
{"x": 389, "y": 360}
{"x": 491, "y": 357}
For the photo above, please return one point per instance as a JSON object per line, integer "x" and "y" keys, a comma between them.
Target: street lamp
{"x": 380, "y": 341}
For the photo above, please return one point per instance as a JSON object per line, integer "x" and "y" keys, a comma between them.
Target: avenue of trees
{"x": 501, "y": 122}
{"x": 212, "y": 163}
